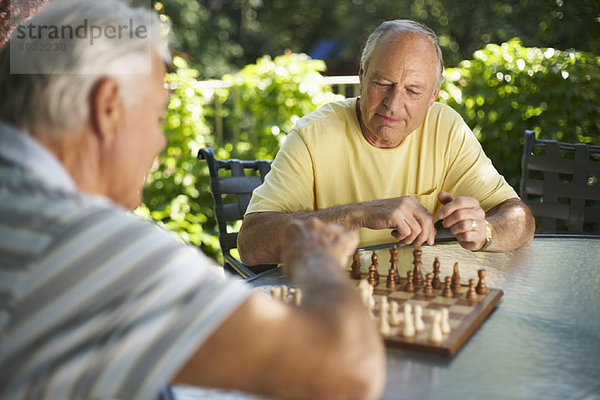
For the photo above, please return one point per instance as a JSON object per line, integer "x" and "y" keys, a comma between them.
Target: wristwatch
{"x": 489, "y": 233}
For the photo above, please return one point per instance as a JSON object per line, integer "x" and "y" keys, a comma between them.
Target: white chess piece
{"x": 419, "y": 324}
{"x": 297, "y": 297}
{"x": 436, "y": 331}
{"x": 363, "y": 286}
{"x": 395, "y": 317}
{"x": 445, "y": 323}
{"x": 284, "y": 293}
{"x": 384, "y": 326}
{"x": 276, "y": 292}
{"x": 409, "y": 325}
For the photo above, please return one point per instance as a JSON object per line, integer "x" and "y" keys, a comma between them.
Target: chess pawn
{"x": 456, "y": 279}
{"x": 276, "y": 292}
{"x": 391, "y": 279}
{"x": 419, "y": 324}
{"x": 428, "y": 289}
{"x": 373, "y": 275}
{"x": 364, "y": 288}
{"x": 409, "y": 325}
{"x": 448, "y": 287}
{"x": 436, "y": 283}
{"x": 395, "y": 316}
{"x": 418, "y": 275}
{"x": 472, "y": 292}
{"x": 384, "y": 326}
{"x": 481, "y": 286}
{"x": 284, "y": 293}
{"x": 436, "y": 331}
{"x": 409, "y": 286}
{"x": 394, "y": 262}
{"x": 355, "y": 268}
{"x": 297, "y": 297}
{"x": 445, "y": 322}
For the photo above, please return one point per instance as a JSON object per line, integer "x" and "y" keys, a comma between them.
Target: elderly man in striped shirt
{"x": 97, "y": 303}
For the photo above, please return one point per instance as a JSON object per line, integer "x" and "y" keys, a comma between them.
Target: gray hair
{"x": 401, "y": 26}
{"x": 50, "y": 92}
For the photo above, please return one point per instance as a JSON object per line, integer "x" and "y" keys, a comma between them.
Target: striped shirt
{"x": 95, "y": 303}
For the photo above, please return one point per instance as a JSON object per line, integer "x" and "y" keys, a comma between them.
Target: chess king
{"x": 388, "y": 163}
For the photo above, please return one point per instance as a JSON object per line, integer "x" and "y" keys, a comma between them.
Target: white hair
{"x": 401, "y": 26}
{"x": 49, "y": 91}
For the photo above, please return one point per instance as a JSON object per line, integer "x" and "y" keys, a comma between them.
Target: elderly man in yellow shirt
{"x": 389, "y": 163}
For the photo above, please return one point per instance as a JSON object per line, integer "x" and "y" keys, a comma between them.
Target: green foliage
{"x": 224, "y": 35}
{"x": 177, "y": 193}
{"x": 508, "y": 88}
{"x": 270, "y": 96}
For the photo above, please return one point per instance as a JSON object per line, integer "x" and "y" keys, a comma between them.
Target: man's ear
{"x": 106, "y": 110}
{"x": 435, "y": 95}
{"x": 361, "y": 71}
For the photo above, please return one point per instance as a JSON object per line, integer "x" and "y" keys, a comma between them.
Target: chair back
{"x": 232, "y": 182}
{"x": 560, "y": 183}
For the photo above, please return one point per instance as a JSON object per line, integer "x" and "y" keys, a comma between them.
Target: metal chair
{"x": 560, "y": 183}
{"x": 231, "y": 189}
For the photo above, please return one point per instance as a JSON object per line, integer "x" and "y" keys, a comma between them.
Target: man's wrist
{"x": 489, "y": 235}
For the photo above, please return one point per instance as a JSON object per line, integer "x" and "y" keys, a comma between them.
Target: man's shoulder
{"x": 442, "y": 110}
{"x": 329, "y": 114}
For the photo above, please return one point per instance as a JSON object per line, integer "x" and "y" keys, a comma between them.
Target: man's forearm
{"x": 513, "y": 225}
{"x": 260, "y": 239}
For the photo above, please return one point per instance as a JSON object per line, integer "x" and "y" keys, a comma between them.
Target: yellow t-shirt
{"x": 325, "y": 161}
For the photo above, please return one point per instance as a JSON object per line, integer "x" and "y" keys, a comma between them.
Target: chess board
{"x": 465, "y": 316}
{"x": 466, "y": 313}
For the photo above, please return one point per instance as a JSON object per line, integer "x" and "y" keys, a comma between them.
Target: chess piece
{"x": 373, "y": 275}
{"x": 363, "y": 287}
{"x": 472, "y": 292}
{"x": 355, "y": 268}
{"x": 448, "y": 287}
{"x": 395, "y": 316}
{"x": 428, "y": 289}
{"x": 455, "y": 279}
{"x": 394, "y": 262}
{"x": 436, "y": 331}
{"x": 481, "y": 286}
{"x": 436, "y": 283}
{"x": 445, "y": 322}
{"x": 418, "y": 275}
{"x": 384, "y": 325}
{"x": 419, "y": 324}
{"x": 297, "y": 297}
{"x": 276, "y": 292}
{"x": 391, "y": 279}
{"x": 284, "y": 293}
{"x": 409, "y": 286}
{"x": 409, "y": 325}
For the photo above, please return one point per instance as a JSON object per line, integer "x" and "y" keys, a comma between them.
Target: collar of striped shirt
{"x": 20, "y": 150}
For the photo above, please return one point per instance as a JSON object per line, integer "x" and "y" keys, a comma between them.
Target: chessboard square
{"x": 457, "y": 309}
{"x": 402, "y": 295}
{"x": 414, "y": 302}
{"x": 422, "y": 297}
{"x": 445, "y": 300}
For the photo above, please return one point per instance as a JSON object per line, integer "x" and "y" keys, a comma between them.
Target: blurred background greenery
{"x": 521, "y": 64}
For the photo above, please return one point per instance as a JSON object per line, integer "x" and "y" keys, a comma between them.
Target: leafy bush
{"x": 271, "y": 96}
{"x": 508, "y": 88}
{"x": 268, "y": 98}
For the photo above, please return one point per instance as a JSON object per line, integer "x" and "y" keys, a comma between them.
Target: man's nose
{"x": 394, "y": 98}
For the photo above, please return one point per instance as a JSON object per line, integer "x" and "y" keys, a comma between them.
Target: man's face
{"x": 140, "y": 139}
{"x": 398, "y": 87}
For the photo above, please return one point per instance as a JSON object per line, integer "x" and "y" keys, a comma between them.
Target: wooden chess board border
{"x": 459, "y": 335}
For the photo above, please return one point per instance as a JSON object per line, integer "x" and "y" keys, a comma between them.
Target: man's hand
{"x": 310, "y": 240}
{"x": 465, "y": 218}
{"x": 411, "y": 222}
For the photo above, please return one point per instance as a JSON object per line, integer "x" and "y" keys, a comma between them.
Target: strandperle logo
{"x": 82, "y": 31}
